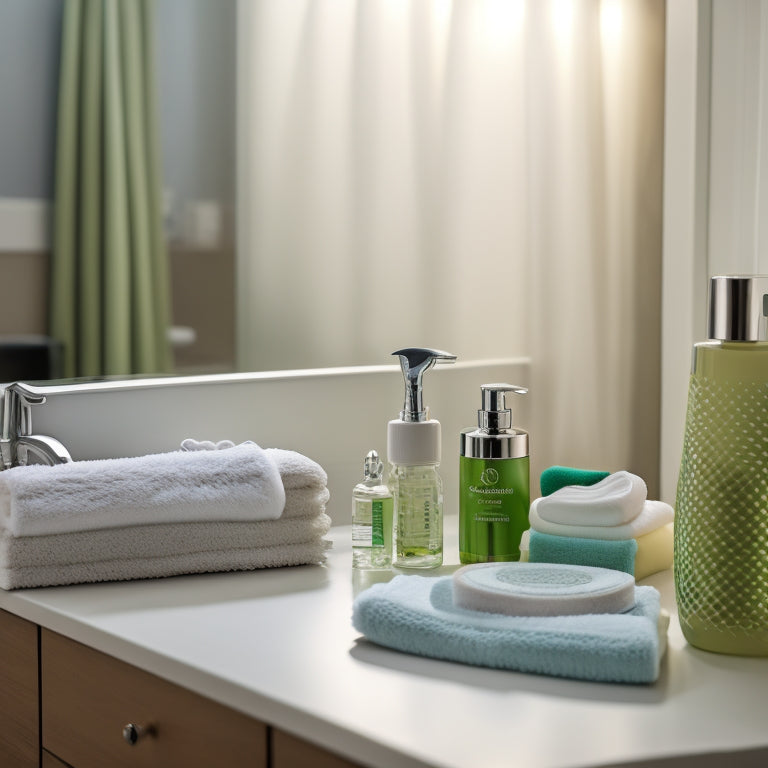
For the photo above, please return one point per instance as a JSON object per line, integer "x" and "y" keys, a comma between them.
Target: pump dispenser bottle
{"x": 494, "y": 481}
{"x": 721, "y": 515}
{"x": 413, "y": 450}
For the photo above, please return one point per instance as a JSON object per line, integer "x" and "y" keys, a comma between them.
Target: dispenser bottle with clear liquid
{"x": 721, "y": 515}
{"x": 413, "y": 450}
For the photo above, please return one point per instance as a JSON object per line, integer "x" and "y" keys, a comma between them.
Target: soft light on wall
{"x": 478, "y": 175}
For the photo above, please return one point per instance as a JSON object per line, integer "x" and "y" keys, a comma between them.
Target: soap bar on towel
{"x": 653, "y": 516}
{"x": 615, "y": 500}
{"x": 619, "y": 555}
{"x": 242, "y": 483}
{"x": 542, "y": 589}
{"x": 554, "y": 478}
{"x": 418, "y": 614}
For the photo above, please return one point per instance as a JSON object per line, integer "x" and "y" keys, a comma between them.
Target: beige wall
{"x": 203, "y": 299}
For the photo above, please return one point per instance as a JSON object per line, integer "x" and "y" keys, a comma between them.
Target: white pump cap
{"x": 413, "y": 443}
{"x": 414, "y": 439}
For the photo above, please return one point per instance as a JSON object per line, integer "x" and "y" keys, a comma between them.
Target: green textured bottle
{"x": 721, "y": 517}
{"x": 494, "y": 482}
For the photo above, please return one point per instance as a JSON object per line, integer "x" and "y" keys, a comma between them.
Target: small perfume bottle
{"x": 372, "y": 518}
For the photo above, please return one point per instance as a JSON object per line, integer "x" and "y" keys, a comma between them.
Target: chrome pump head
{"x": 738, "y": 308}
{"x": 495, "y": 416}
{"x": 415, "y": 361}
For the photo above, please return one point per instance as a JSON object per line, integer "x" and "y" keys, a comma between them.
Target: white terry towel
{"x": 296, "y": 469}
{"x": 162, "y": 540}
{"x": 140, "y": 567}
{"x": 242, "y": 483}
{"x": 654, "y": 515}
{"x": 615, "y": 500}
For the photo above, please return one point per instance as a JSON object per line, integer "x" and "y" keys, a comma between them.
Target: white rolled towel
{"x": 615, "y": 500}
{"x": 242, "y": 483}
{"x": 653, "y": 516}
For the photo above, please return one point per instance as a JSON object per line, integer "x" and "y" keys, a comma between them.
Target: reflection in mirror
{"x": 482, "y": 176}
{"x": 194, "y": 66}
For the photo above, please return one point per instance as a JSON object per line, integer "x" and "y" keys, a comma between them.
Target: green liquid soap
{"x": 418, "y": 494}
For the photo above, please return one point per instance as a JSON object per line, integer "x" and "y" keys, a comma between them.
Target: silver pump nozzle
{"x": 415, "y": 361}
{"x": 738, "y": 307}
{"x": 495, "y": 416}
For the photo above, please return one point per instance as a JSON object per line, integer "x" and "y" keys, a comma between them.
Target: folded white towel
{"x": 304, "y": 502}
{"x": 653, "y": 516}
{"x": 615, "y": 500}
{"x": 296, "y": 470}
{"x": 242, "y": 483}
{"x": 309, "y": 553}
{"x": 160, "y": 540}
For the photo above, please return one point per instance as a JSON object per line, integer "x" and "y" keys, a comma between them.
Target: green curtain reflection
{"x": 109, "y": 296}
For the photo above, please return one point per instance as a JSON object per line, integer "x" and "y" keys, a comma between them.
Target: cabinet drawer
{"x": 88, "y": 698}
{"x": 291, "y": 752}
{"x": 19, "y": 739}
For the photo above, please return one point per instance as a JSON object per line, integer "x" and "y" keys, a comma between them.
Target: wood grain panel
{"x": 88, "y": 697}
{"x": 19, "y": 719}
{"x": 51, "y": 761}
{"x": 291, "y": 752}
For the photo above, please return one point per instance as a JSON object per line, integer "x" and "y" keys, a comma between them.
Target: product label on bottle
{"x": 493, "y": 508}
{"x": 377, "y": 523}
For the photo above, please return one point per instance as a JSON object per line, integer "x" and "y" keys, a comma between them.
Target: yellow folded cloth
{"x": 654, "y": 551}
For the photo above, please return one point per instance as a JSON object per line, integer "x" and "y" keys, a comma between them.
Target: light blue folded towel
{"x": 417, "y": 614}
{"x": 619, "y": 555}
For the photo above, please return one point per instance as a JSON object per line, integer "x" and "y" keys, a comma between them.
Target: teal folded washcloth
{"x": 619, "y": 555}
{"x": 554, "y": 478}
{"x": 417, "y": 614}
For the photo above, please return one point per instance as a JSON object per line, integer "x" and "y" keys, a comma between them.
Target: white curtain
{"x": 482, "y": 176}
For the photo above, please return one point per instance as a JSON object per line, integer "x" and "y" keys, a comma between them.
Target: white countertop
{"x": 278, "y": 644}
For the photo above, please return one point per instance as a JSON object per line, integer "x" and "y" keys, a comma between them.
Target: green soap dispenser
{"x": 494, "y": 482}
{"x": 721, "y": 515}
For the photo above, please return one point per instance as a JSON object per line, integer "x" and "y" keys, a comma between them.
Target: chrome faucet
{"x": 17, "y": 442}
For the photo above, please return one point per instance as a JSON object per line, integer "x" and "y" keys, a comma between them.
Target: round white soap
{"x": 542, "y": 589}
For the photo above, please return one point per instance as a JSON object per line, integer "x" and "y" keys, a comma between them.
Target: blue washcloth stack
{"x": 589, "y": 517}
{"x": 418, "y": 615}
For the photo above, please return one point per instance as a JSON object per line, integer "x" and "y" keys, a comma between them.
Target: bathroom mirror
{"x": 344, "y": 178}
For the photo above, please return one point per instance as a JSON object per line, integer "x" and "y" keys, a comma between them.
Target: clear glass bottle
{"x": 721, "y": 515}
{"x": 371, "y": 518}
{"x": 413, "y": 449}
{"x": 418, "y": 515}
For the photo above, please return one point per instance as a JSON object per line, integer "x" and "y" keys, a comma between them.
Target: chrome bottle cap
{"x": 738, "y": 308}
{"x": 495, "y": 438}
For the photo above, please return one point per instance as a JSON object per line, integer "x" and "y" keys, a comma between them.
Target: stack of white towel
{"x": 209, "y": 507}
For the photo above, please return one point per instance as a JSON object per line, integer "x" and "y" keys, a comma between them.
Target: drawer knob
{"x": 132, "y": 732}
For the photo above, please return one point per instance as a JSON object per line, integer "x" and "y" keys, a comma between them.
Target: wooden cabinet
{"x": 291, "y": 752}
{"x": 65, "y": 705}
{"x": 89, "y": 699}
{"x": 19, "y": 721}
